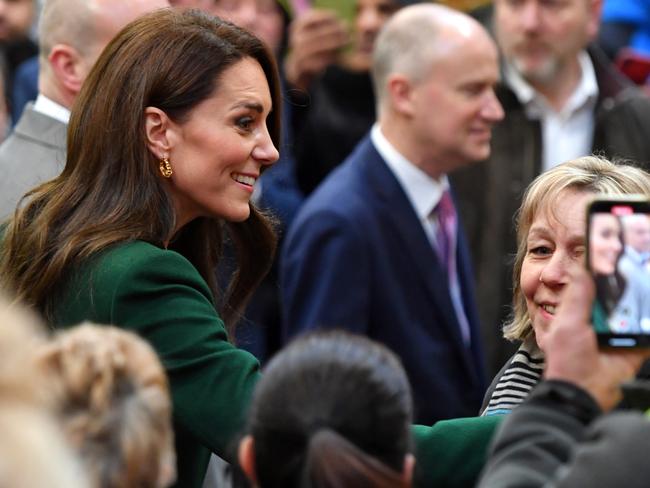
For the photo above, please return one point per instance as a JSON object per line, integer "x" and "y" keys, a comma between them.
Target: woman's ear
{"x": 407, "y": 472}
{"x": 246, "y": 456}
{"x": 157, "y": 126}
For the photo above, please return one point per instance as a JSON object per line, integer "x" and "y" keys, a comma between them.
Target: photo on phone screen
{"x": 618, "y": 256}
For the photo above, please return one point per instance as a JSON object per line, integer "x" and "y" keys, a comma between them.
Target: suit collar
{"x": 41, "y": 128}
{"x": 423, "y": 192}
{"x": 408, "y": 231}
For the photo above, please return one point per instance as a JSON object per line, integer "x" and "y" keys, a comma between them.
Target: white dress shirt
{"x": 568, "y": 133}
{"x": 424, "y": 193}
{"x": 52, "y": 109}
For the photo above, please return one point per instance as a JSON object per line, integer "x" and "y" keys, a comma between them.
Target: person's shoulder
{"x": 37, "y": 140}
{"x": 140, "y": 265}
{"x": 139, "y": 256}
{"x": 345, "y": 191}
{"x": 331, "y": 195}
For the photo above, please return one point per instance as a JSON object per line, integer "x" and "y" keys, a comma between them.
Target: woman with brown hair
{"x": 173, "y": 126}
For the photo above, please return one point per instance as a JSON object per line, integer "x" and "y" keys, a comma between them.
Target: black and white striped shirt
{"x": 513, "y": 383}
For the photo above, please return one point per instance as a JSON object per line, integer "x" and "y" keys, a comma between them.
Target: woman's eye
{"x": 579, "y": 251}
{"x": 244, "y": 122}
{"x": 540, "y": 250}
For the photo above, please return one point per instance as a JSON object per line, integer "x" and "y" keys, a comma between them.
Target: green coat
{"x": 161, "y": 296}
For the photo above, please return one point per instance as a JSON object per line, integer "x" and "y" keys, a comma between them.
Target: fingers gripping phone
{"x": 618, "y": 257}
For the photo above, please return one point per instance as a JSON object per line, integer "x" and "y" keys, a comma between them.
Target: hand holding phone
{"x": 618, "y": 257}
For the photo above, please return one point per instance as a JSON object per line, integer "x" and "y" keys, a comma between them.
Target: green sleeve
{"x": 162, "y": 297}
{"x": 452, "y": 453}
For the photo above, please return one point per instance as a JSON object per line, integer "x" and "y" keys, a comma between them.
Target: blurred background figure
{"x": 331, "y": 410}
{"x": 329, "y": 106}
{"x": 335, "y": 106}
{"x": 266, "y": 19}
{"x": 636, "y": 231}
{"x": 378, "y": 248}
{"x": 33, "y": 449}
{"x": 562, "y": 99}
{"x": 72, "y": 34}
{"x": 112, "y": 400}
{"x": 625, "y": 38}
{"x": 17, "y": 19}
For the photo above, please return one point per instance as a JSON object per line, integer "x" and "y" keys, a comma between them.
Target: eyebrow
{"x": 538, "y": 231}
{"x": 544, "y": 233}
{"x": 257, "y": 107}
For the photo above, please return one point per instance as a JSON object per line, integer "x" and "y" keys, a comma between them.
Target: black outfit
{"x": 329, "y": 121}
{"x": 14, "y": 53}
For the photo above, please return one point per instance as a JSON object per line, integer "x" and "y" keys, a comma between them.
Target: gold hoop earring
{"x": 165, "y": 168}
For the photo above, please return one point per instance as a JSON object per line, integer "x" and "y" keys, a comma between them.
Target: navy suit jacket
{"x": 357, "y": 258}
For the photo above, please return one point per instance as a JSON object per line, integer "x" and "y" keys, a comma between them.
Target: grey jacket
{"x": 558, "y": 438}
{"x": 34, "y": 153}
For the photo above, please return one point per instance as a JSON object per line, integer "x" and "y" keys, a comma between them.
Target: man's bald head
{"x": 81, "y": 29}
{"x": 434, "y": 71}
{"x": 416, "y": 37}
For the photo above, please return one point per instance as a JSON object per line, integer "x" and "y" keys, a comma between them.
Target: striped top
{"x": 513, "y": 383}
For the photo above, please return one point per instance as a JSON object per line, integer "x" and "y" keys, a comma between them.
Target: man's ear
{"x": 593, "y": 23}
{"x": 400, "y": 93}
{"x": 157, "y": 129}
{"x": 66, "y": 63}
{"x": 246, "y": 456}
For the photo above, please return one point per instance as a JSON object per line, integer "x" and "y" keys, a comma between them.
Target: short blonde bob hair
{"x": 589, "y": 174}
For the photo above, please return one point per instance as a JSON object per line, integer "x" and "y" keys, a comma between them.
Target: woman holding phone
{"x": 551, "y": 237}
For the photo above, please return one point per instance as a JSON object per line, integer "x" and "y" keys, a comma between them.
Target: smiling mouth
{"x": 549, "y": 309}
{"x": 243, "y": 179}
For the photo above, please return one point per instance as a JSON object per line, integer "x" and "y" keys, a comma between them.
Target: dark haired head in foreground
{"x": 332, "y": 410}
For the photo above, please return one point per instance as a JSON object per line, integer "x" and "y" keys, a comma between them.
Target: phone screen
{"x": 618, "y": 257}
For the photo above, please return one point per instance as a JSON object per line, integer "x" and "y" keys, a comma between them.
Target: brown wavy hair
{"x": 111, "y": 191}
{"x": 112, "y": 399}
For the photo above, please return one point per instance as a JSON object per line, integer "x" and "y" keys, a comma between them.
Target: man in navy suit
{"x": 377, "y": 248}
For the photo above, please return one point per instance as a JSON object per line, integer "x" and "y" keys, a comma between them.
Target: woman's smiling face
{"x": 555, "y": 245}
{"x": 605, "y": 243}
{"x": 217, "y": 153}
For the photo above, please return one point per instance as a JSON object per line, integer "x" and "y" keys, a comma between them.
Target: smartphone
{"x": 618, "y": 257}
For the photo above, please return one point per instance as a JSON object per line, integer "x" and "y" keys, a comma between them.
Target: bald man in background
{"x": 376, "y": 249}
{"x": 72, "y": 34}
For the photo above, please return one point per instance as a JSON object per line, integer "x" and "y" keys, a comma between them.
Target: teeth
{"x": 549, "y": 308}
{"x": 246, "y": 180}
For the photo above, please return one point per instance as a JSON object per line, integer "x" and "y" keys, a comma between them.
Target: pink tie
{"x": 446, "y": 231}
{"x": 445, "y": 245}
